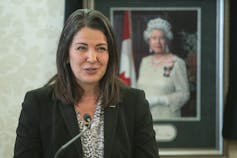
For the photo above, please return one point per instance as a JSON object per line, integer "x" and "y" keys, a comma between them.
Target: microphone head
{"x": 87, "y": 119}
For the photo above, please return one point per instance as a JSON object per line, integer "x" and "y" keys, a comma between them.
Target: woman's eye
{"x": 81, "y": 48}
{"x": 102, "y": 49}
{"x": 158, "y": 37}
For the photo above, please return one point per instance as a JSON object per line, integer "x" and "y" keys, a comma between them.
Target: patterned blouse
{"x": 93, "y": 139}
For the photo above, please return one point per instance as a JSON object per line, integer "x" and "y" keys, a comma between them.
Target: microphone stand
{"x": 63, "y": 147}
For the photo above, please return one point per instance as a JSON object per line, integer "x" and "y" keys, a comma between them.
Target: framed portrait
{"x": 197, "y": 41}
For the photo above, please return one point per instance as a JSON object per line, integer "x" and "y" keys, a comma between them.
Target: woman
{"x": 163, "y": 75}
{"x": 86, "y": 83}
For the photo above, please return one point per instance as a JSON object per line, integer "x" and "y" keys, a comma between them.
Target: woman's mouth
{"x": 90, "y": 70}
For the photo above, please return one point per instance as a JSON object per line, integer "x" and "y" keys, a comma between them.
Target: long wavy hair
{"x": 65, "y": 86}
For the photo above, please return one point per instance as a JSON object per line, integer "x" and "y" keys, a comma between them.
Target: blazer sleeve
{"x": 145, "y": 143}
{"x": 28, "y": 143}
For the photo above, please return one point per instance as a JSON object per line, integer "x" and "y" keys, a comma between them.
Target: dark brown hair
{"x": 65, "y": 85}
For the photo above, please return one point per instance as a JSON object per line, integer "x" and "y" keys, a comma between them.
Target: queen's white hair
{"x": 160, "y": 24}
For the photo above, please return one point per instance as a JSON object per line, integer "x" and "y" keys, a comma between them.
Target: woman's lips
{"x": 90, "y": 70}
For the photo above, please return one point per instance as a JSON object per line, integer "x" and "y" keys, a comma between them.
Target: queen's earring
{"x": 150, "y": 50}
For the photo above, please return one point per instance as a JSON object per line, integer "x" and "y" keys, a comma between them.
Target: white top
{"x": 93, "y": 139}
{"x": 166, "y": 86}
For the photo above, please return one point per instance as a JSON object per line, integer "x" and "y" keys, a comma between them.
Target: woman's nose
{"x": 158, "y": 40}
{"x": 91, "y": 55}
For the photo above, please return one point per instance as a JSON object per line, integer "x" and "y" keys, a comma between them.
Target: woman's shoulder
{"x": 176, "y": 59}
{"x": 148, "y": 57}
{"x": 131, "y": 93}
{"x": 38, "y": 100}
{"x": 135, "y": 103}
{"x": 41, "y": 92}
{"x": 146, "y": 60}
{"x": 179, "y": 64}
{"x": 130, "y": 90}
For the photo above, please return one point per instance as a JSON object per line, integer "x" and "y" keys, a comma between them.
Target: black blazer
{"x": 45, "y": 124}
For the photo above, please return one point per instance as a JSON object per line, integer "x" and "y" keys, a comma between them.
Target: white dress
{"x": 166, "y": 87}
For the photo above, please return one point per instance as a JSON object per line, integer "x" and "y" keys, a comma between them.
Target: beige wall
{"x": 29, "y": 32}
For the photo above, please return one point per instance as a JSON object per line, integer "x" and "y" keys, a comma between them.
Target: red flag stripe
{"x": 126, "y": 25}
{"x": 127, "y": 69}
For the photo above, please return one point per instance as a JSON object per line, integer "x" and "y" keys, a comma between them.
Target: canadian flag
{"x": 127, "y": 70}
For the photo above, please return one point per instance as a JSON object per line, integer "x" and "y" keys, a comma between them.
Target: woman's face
{"x": 157, "y": 41}
{"x": 89, "y": 56}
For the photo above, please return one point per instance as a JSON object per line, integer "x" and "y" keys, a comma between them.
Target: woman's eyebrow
{"x": 102, "y": 44}
{"x": 80, "y": 43}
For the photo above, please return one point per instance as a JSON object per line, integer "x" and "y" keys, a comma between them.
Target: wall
{"x": 29, "y": 32}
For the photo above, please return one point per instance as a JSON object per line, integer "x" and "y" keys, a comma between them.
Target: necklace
{"x": 157, "y": 60}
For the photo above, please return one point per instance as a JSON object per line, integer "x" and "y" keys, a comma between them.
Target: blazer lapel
{"x": 70, "y": 119}
{"x": 110, "y": 123}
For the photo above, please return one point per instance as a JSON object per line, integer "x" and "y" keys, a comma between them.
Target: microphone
{"x": 87, "y": 119}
